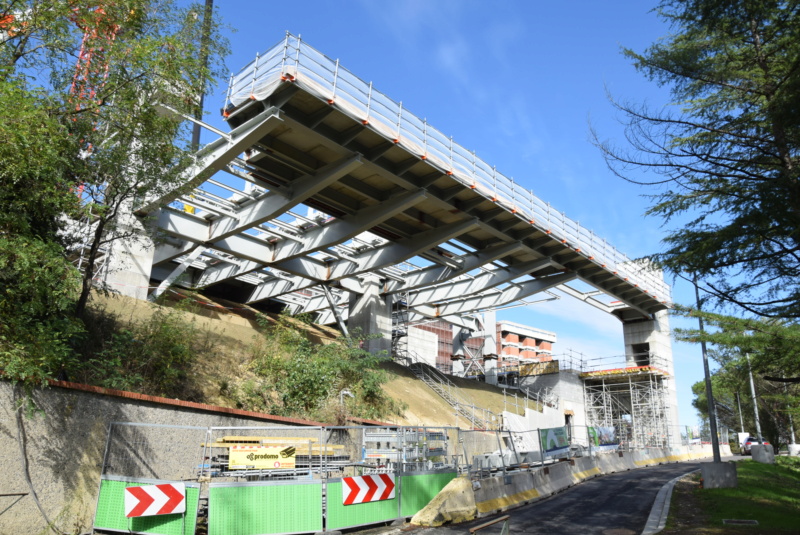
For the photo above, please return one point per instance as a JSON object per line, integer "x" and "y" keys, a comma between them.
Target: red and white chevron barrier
{"x": 150, "y": 500}
{"x": 366, "y": 489}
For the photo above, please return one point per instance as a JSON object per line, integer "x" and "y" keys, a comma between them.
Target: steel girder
{"x": 248, "y": 240}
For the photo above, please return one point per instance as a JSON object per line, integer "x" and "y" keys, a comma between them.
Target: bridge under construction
{"x": 328, "y": 197}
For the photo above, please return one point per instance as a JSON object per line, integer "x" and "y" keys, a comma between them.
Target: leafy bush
{"x": 38, "y": 289}
{"x": 151, "y": 356}
{"x": 297, "y": 378}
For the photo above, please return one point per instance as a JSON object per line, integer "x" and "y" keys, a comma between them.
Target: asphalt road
{"x": 616, "y": 504}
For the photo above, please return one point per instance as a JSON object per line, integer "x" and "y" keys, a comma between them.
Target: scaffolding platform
{"x": 629, "y": 394}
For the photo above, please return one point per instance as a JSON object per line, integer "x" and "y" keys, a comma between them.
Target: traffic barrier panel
{"x": 584, "y": 468}
{"x": 617, "y": 461}
{"x": 500, "y": 493}
{"x": 341, "y": 516}
{"x": 560, "y": 476}
{"x": 417, "y": 490}
{"x": 659, "y": 455}
{"x": 643, "y": 458}
{"x": 627, "y": 460}
{"x": 541, "y": 482}
{"x": 110, "y": 512}
{"x": 264, "y": 507}
{"x": 678, "y": 454}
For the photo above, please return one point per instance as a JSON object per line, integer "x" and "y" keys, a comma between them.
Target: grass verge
{"x": 769, "y": 494}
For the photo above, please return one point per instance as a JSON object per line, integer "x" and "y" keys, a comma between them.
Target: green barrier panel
{"x": 346, "y": 516}
{"x": 110, "y": 514}
{"x": 257, "y": 508}
{"x": 416, "y": 491}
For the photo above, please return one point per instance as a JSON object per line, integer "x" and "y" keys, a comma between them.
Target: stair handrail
{"x": 449, "y": 392}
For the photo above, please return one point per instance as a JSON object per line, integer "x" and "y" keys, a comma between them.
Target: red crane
{"x": 91, "y": 69}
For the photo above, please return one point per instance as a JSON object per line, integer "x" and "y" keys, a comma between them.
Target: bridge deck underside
{"x": 301, "y": 151}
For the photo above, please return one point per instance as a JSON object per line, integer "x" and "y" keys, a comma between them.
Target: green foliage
{"x": 101, "y": 124}
{"x": 773, "y": 347}
{"x": 297, "y": 378}
{"x": 791, "y": 464}
{"x": 727, "y": 152}
{"x": 98, "y": 127}
{"x": 152, "y": 356}
{"x": 38, "y": 288}
{"x": 34, "y": 165}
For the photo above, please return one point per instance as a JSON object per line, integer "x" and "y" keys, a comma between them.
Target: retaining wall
{"x": 64, "y": 438}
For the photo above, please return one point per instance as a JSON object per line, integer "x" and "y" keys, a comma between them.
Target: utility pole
{"x": 204, "y": 38}
{"x": 712, "y": 409}
{"x": 741, "y": 418}
{"x": 755, "y": 402}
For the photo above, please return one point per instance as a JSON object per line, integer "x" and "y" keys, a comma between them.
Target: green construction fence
{"x": 413, "y": 492}
{"x": 257, "y": 508}
{"x": 110, "y": 513}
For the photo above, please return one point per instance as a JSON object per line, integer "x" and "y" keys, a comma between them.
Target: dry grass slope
{"x": 232, "y": 328}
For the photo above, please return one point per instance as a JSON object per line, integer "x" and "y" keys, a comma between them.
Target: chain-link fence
{"x": 691, "y": 435}
{"x": 262, "y": 453}
{"x": 151, "y": 451}
{"x": 257, "y": 478}
{"x": 327, "y": 469}
{"x": 230, "y": 454}
{"x": 221, "y": 454}
{"x": 489, "y": 452}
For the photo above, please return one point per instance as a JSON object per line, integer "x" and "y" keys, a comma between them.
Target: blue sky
{"x": 519, "y": 82}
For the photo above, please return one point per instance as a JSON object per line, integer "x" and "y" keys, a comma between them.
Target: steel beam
{"x": 399, "y": 251}
{"x": 278, "y": 201}
{"x": 497, "y": 299}
{"x": 320, "y": 238}
{"x": 347, "y": 227}
{"x": 437, "y": 274}
{"x": 216, "y": 155}
{"x": 474, "y": 285}
{"x": 177, "y": 272}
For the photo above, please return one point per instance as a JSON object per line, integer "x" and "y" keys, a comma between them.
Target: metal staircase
{"x": 479, "y": 418}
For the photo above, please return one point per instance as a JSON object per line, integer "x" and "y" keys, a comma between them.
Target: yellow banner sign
{"x": 622, "y": 371}
{"x": 538, "y": 368}
{"x": 261, "y": 458}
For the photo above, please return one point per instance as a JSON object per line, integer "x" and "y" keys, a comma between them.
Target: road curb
{"x": 658, "y": 514}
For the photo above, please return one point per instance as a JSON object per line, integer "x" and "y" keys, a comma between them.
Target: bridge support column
{"x": 458, "y": 365}
{"x": 370, "y": 313}
{"x": 490, "y": 334}
{"x": 130, "y": 257}
{"x": 648, "y": 342}
{"x": 490, "y": 369}
{"x": 458, "y": 350}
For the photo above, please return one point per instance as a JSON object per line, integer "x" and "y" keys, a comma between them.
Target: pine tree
{"x": 727, "y": 151}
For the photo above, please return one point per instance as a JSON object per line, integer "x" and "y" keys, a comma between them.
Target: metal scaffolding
{"x": 633, "y": 399}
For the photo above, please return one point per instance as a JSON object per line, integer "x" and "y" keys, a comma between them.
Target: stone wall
{"x": 63, "y": 431}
